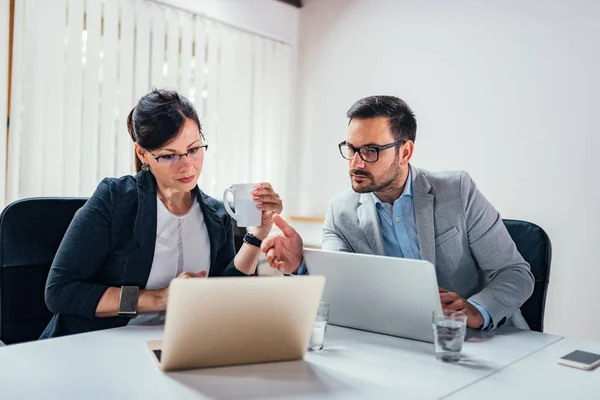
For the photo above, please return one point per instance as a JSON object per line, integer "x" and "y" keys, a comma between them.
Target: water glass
{"x": 449, "y": 329}
{"x": 319, "y": 327}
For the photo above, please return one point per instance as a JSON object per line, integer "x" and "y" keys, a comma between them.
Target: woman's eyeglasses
{"x": 168, "y": 160}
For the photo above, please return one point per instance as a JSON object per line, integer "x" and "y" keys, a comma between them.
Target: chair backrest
{"x": 30, "y": 232}
{"x": 535, "y": 247}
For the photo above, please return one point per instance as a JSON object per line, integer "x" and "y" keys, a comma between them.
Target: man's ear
{"x": 406, "y": 152}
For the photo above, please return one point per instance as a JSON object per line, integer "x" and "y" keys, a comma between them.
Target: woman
{"x": 147, "y": 229}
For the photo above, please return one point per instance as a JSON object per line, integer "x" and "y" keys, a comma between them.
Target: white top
{"x": 182, "y": 244}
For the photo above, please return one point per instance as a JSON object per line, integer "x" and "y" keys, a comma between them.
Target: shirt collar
{"x": 408, "y": 189}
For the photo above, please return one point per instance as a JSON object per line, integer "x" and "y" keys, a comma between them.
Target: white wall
{"x": 507, "y": 90}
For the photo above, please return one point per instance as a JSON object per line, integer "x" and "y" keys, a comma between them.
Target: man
{"x": 398, "y": 210}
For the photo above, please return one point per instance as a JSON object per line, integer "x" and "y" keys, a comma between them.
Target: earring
{"x": 145, "y": 167}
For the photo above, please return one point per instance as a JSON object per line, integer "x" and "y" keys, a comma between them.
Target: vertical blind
{"x": 80, "y": 66}
{"x": 4, "y": 55}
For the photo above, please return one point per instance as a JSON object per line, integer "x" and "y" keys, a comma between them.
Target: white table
{"x": 540, "y": 376}
{"x": 115, "y": 364}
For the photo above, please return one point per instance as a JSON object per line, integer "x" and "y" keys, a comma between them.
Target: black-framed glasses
{"x": 194, "y": 154}
{"x": 368, "y": 153}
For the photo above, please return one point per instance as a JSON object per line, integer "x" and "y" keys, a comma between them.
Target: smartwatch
{"x": 251, "y": 239}
{"x": 128, "y": 301}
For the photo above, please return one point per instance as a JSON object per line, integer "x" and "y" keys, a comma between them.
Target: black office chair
{"x": 535, "y": 247}
{"x": 30, "y": 232}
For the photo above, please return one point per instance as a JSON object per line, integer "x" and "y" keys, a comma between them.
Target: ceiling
{"x": 295, "y": 3}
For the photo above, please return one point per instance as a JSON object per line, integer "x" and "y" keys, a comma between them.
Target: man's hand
{"x": 283, "y": 251}
{"x": 452, "y": 301}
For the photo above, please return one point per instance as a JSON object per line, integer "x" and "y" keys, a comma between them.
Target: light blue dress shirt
{"x": 398, "y": 225}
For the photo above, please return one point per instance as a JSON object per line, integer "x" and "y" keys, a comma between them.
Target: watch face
{"x": 129, "y": 300}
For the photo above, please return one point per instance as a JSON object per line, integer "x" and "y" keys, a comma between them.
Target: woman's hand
{"x": 270, "y": 204}
{"x": 162, "y": 295}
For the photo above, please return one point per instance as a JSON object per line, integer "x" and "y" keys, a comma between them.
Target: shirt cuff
{"x": 484, "y": 313}
{"x": 302, "y": 270}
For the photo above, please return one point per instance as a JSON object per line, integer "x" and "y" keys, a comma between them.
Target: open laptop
{"x": 230, "y": 321}
{"x": 389, "y": 295}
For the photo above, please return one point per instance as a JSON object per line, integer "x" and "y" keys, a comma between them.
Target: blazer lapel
{"x": 423, "y": 205}
{"x": 139, "y": 261}
{"x": 214, "y": 225}
{"x": 369, "y": 223}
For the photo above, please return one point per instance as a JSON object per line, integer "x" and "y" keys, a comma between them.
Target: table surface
{"x": 540, "y": 376}
{"x": 116, "y": 364}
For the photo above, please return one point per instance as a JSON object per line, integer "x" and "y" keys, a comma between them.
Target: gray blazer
{"x": 459, "y": 231}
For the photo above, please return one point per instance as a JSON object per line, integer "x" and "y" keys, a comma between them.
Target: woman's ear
{"x": 140, "y": 152}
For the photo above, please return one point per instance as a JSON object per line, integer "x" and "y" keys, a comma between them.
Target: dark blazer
{"x": 110, "y": 242}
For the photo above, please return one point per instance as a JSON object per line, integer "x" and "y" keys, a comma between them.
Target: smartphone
{"x": 580, "y": 359}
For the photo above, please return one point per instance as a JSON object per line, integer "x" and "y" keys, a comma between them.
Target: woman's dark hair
{"x": 158, "y": 118}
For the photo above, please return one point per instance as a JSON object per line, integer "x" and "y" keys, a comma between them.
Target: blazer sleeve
{"x": 70, "y": 287}
{"x": 226, "y": 254}
{"x": 508, "y": 278}
{"x": 332, "y": 238}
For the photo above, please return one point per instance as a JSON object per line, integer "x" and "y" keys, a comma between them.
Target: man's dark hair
{"x": 399, "y": 115}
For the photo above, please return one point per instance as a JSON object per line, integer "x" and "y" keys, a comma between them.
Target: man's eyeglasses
{"x": 168, "y": 160}
{"x": 367, "y": 153}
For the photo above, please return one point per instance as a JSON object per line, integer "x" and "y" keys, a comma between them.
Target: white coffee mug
{"x": 246, "y": 213}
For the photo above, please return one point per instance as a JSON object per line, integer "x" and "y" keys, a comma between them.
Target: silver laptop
{"x": 389, "y": 295}
{"x": 228, "y": 321}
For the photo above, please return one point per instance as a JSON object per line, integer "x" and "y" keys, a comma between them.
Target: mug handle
{"x": 226, "y": 202}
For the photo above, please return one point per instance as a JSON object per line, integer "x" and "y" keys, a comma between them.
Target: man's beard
{"x": 383, "y": 183}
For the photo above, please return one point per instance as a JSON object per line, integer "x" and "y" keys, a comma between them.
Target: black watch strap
{"x": 251, "y": 239}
